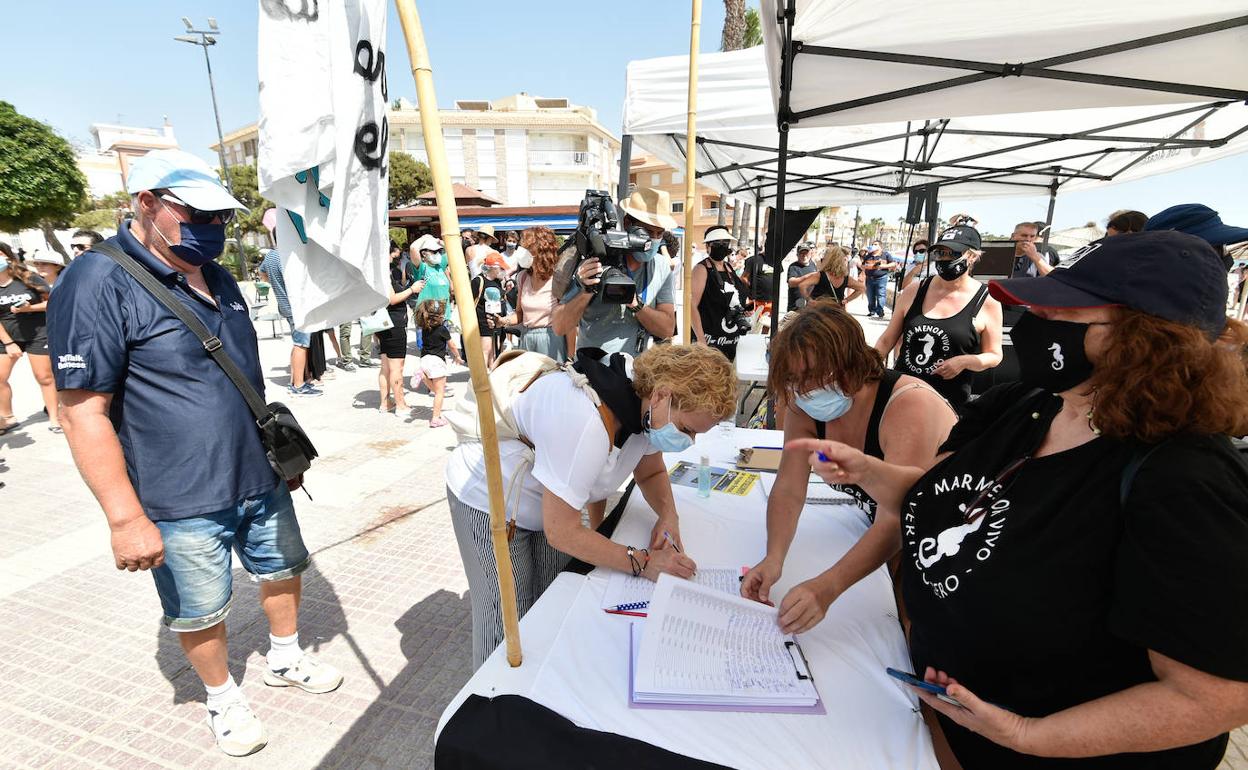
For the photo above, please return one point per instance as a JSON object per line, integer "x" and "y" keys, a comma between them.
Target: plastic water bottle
{"x": 704, "y": 477}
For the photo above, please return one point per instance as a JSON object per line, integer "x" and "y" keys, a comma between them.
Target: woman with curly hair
{"x": 535, "y": 298}
{"x": 573, "y": 455}
{"x": 1073, "y": 564}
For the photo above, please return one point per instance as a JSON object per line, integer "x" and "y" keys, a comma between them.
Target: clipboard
{"x": 801, "y": 671}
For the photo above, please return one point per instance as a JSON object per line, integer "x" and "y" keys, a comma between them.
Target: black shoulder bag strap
{"x": 289, "y": 450}
{"x": 211, "y": 344}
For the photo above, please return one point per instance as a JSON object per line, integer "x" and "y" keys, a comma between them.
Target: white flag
{"x": 323, "y": 140}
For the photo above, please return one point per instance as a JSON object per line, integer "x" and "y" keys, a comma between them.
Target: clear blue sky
{"x": 73, "y": 63}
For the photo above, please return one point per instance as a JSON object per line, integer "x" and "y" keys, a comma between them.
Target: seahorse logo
{"x": 1059, "y": 363}
{"x": 928, "y": 342}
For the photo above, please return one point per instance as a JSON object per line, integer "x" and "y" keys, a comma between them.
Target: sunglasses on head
{"x": 198, "y": 216}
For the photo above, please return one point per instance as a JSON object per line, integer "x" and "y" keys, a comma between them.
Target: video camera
{"x": 599, "y": 236}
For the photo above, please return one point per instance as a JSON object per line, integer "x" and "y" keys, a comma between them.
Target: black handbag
{"x": 288, "y": 448}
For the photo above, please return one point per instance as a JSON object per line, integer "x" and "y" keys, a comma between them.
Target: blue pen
{"x": 823, "y": 458}
{"x": 668, "y": 537}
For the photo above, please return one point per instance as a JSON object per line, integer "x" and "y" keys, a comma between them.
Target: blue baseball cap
{"x": 185, "y": 175}
{"x": 1198, "y": 220}
{"x": 1168, "y": 274}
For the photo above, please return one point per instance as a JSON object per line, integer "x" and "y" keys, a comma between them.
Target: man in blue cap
{"x": 1201, "y": 221}
{"x": 166, "y": 442}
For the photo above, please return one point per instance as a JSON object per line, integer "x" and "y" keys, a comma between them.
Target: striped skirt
{"x": 534, "y": 562}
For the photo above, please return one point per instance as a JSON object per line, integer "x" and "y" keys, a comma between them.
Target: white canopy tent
{"x": 1126, "y": 92}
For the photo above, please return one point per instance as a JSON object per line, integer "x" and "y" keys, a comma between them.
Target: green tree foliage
{"x": 868, "y": 231}
{"x": 398, "y": 235}
{"x": 97, "y": 219}
{"x": 408, "y": 179}
{"x": 246, "y": 189}
{"x": 753, "y": 29}
{"x": 42, "y": 183}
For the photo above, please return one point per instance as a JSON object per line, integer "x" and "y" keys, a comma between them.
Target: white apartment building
{"x": 107, "y": 165}
{"x": 523, "y": 150}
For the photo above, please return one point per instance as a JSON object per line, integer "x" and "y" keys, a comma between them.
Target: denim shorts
{"x": 195, "y": 582}
{"x": 300, "y": 339}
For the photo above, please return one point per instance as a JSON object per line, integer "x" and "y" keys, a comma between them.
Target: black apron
{"x": 713, "y": 309}
{"x": 926, "y": 342}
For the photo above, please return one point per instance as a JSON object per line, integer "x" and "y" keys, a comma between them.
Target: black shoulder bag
{"x": 288, "y": 448}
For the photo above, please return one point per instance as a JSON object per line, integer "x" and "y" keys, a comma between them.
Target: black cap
{"x": 959, "y": 238}
{"x": 1168, "y": 274}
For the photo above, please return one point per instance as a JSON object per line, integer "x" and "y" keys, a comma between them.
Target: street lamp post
{"x": 207, "y": 38}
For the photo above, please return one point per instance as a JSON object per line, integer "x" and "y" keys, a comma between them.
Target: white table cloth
{"x": 575, "y": 655}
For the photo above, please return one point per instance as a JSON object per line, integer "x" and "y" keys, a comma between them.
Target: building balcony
{"x": 562, "y": 160}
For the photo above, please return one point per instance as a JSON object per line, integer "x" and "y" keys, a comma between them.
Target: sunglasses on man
{"x": 78, "y": 248}
{"x": 199, "y": 216}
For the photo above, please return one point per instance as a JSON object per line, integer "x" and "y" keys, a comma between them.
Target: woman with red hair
{"x": 1073, "y": 564}
{"x": 535, "y": 299}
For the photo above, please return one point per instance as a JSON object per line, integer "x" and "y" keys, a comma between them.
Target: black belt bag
{"x": 288, "y": 448}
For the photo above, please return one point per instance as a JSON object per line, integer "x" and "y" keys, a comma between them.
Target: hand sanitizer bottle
{"x": 704, "y": 477}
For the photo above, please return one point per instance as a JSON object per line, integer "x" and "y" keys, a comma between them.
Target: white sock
{"x": 283, "y": 651}
{"x": 222, "y": 695}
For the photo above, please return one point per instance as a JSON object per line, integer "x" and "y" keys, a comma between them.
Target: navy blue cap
{"x": 1198, "y": 220}
{"x": 1171, "y": 275}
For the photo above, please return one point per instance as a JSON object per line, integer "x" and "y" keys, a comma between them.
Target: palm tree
{"x": 753, "y": 29}
{"x": 733, "y": 38}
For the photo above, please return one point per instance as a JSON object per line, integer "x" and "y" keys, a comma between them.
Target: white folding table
{"x": 576, "y": 655}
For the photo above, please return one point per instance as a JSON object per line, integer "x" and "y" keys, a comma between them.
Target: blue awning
{"x": 558, "y": 223}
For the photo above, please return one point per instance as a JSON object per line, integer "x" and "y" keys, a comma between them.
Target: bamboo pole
{"x": 431, "y": 124}
{"x": 691, "y": 171}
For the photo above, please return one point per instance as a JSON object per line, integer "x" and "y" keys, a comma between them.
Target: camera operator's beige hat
{"x": 488, "y": 231}
{"x": 654, "y": 207}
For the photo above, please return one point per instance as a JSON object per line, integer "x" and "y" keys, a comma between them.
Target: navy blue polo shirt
{"x": 190, "y": 442}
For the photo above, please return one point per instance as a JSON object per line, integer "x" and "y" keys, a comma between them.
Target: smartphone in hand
{"x": 935, "y": 689}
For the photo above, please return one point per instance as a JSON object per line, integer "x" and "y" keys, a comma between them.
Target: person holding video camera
{"x": 718, "y": 295}
{"x": 597, "y": 302}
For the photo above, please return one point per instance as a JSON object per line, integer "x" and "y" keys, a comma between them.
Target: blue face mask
{"x": 646, "y": 256}
{"x": 200, "y": 243}
{"x": 825, "y": 404}
{"x": 4, "y": 264}
{"x": 668, "y": 438}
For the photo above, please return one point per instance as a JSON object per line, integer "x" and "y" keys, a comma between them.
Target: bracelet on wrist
{"x": 634, "y": 565}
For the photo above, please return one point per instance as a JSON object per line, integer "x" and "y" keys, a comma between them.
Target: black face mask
{"x": 1050, "y": 353}
{"x": 719, "y": 251}
{"x": 952, "y": 269}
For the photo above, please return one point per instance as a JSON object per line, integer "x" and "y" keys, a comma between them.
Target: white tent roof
{"x": 1046, "y": 38}
{"x": 972, "y": 155}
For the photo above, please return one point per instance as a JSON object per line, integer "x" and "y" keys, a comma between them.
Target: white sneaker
{"x": 308, "y": 674}
{"x": 237, "y": 729}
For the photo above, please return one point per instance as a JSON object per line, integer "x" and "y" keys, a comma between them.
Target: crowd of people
{"x": 1066, "y": 546}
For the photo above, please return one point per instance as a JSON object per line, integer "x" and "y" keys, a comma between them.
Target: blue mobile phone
{"x": 934, "y": 689}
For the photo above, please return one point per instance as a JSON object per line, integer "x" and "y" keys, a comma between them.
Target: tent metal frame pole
{"x": 626, "y": 161}
{"x": 1040, "y": 68}
{"x": 776, "y": 234}
{"x": 983, "y": 174}
{"x": 758, "y": 210}
{"x": 1048, "y": 217}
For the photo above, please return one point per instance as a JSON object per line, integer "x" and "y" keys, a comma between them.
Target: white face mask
{"x": 524, "y": 258}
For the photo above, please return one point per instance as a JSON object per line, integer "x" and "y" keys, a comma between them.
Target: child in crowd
{"x": 434, "y": 344}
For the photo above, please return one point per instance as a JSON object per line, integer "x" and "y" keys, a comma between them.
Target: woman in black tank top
{"x": 832, "y": 278}
{"x": 719, "y": 296}
{"x": 946, "y": 327}
{"x": 835, "y": 386}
